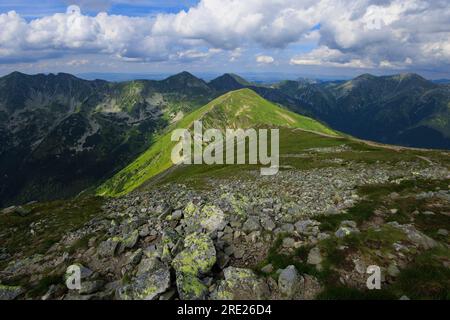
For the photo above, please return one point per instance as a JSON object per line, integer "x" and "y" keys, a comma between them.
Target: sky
{"x": 304, "y": 38}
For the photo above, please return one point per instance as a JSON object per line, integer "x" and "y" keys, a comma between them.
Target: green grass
{"x": 56, "y": 219}
{"x": 237, "y": 109}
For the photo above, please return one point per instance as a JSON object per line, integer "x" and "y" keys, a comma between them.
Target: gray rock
{"x": 131, "y": 240}
{"x": 146, "y": 286}
{"x": 289, "y": 282}
{"x": 267, "y": 268}
{"x": 314, "y": 256}
{"x": 212, "y": 218}
{"x": 89, "y": 287}
{"x": 108, "y": 248}
{"x": 10, "y": 292}
{"x": 288, "y": 242}
{"x": 268, "y": 224}
{"x": 393, "y": 270}
{"x": 252, "y": 224}
{"x": 241, "y": 284}
{"x": 177, "y": 214}
{"x": 442, "y": 232}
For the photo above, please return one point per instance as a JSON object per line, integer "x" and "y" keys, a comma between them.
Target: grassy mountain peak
{"x": 237, "y": 109}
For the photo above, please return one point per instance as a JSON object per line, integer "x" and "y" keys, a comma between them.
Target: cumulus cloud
{"x": 264, "y": 59}
{"x": 361, "y": 34}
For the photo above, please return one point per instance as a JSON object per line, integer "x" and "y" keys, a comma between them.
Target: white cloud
{"x": 265, "y": 59}
{"x": 362, "y": 34}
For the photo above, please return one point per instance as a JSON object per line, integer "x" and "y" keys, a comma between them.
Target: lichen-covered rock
{"x": 10, "y": 292}
{"x": 241, "y": 284}
{"x": 190, "y": 287}
{"x": 198, "y": 257}
{"x": 152, "y": 278}
{"x": 131, "y": 240}
{"x": 212, "y": 218}
{"x": 195, "y": 260}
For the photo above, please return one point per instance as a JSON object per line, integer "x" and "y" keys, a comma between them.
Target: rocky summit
{"x": 305, "y": 233}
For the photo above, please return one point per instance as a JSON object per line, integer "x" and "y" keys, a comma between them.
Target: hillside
{"x": 236, "y": 109}
{"x": 60, "y": 134}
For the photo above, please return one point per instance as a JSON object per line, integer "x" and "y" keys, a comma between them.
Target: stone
{"x": 251, "y": 224}
{"x": 307, "y": 227}
{"x": 190, "y": 287}
{"x": 177, "y": 214}
{"x": 393, "y": 270}
{"x": 131, "y": 240}
{"x": 314, "y": 256}
{"x": 89, "y": 287}
{"x": 10, "y": 292}
{"x": 288, "y": 242}
{"x": 135, "y": 257}
{"x": 9, "y": 210}
{"x": 212, "y": 218}
{"x": 267, "y": 269}
{"x": 415, "y": 236}
{"x": 287, "y": 227}
{"x": 442, "y": 232}
{"x": 240, "y": 284}
{"x": 108, "y": 248}
{"x": 146, "y": 286}
{"x": 289, "y": 281}
{"x": 268, "y": 224}
{"x": 346, "y": 228}
{"x": 198, "y": 257}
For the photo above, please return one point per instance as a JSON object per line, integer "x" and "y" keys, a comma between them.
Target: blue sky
{"x": 304, "y": 38}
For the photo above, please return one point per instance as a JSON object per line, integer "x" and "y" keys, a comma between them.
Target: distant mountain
{"x": 229, "y": 82}
{"x": 402, "y": 109}
{"x": 237, "y": 109}
{"x": 60, "y": 134}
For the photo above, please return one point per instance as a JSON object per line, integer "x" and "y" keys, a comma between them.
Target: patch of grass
{"x": 44, "y": 284}
{"x": 427, "y": 277}
{"x": 298, "y": 259}
{"x": 81, "y": 243}
{"x": 51, "y": 220}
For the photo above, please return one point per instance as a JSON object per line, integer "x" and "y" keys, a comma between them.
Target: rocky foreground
{"x": 302, "y": 234}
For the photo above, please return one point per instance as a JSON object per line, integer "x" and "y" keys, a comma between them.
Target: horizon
{"x": 208, "y": 77}
{"x": 316, "y": 40}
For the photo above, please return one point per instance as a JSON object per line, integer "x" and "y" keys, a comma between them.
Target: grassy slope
{"x": 237, "y": 109}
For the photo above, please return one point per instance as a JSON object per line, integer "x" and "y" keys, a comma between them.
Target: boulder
{"x": 289, "y": 282}
{"x": 251, "y": 224}
{"x": 10, "y": 292}
{"x": 152, "y": 278}
{"x": 241, "y": 284}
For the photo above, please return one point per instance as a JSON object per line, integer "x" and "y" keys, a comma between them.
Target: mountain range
{"x": 60, "y": 134}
